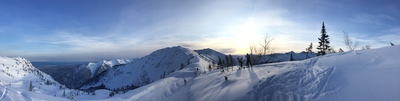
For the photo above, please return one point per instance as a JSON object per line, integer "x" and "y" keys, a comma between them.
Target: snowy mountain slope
{"x": 68, "y": 75}
{"x": 210, "y": 54}
{"x": 210, "y": 86}
{"x": 15, "y": 94}
{"x": 15, "y": 77}
{"x": 145, "y": 70}
{"x": 367, "y": 75}
{"x": 74, "y": 76}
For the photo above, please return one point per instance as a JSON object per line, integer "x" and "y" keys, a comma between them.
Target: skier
{"x": 391, "y": 44}
{"x": 184, "y": 80}
{"x": 240, "y": 61}
{"x": 248, "y": 63}
{"x": 226, "y": 78}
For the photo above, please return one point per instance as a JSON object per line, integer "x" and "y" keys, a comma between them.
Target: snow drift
{"x": 366, "y": 75}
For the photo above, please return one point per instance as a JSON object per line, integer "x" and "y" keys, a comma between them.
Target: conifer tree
{"x": 30, "y": 86}
{"x": 291, "y": 56}
{"x": 227, "y": 61}
{"x": 323, "y": 42}
{"x": 63, "y": 95}
{"x": 309, "y": 50}
{"x": 230, "y": 60}
{"x": 219, "y": 61}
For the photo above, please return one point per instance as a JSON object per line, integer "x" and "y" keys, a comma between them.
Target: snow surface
{"x": 367, "y": 75}
{"x": 15, "y": 77}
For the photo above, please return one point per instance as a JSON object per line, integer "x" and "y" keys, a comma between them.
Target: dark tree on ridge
{"x": 323, "y": 42}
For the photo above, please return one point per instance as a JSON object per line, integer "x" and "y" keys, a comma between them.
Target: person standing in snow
{"x": 240, "y": 61}
{"x": 184, "y": 80}
{"x": 248, "y": 63}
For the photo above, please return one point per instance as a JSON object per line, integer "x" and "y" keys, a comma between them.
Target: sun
{"x": 246, "y": 35}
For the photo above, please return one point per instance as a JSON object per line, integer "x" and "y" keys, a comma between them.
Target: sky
{"x": 91, "y": 30}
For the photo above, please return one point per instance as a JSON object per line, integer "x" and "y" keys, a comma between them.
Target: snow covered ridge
{"x": 17, "y": 75}
{"x": 210, "y": 55}
{"x": 73, "y": 76}
{"x": 98, "y": 67}
{"x": 145, "y": 70}
{"x": 18, "y": 69}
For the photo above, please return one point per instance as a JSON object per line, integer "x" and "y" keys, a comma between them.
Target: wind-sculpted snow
{"x": 299, "y": 85}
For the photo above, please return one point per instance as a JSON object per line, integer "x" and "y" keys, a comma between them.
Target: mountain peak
{"x": 147, "y": 69}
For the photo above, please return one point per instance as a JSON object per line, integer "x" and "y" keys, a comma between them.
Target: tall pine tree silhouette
{"x": 323, "y": 41}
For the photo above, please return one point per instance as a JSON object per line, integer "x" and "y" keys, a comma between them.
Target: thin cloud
{"x": 227, "y": 50}
{"x": 375, "y": 19}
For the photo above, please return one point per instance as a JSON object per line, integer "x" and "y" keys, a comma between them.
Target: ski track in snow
{"x": 299, "y": 85}
{"x": 4, "y": 93}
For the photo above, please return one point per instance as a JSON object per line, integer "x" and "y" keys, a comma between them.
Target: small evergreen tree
{"x": 30, "y": 86}
{"x": 182, "y": 66}
{"x": 323, "y": 42}
{"x": 230, "y": 60}
{"x": 63, "y": 95}
{"x": 227, "y": 61}
{"x": 291, "y": 56}
{"x": 209, "y": 67}
{"x": 219, "y": 61}
{"x": 163, "y": 76}
{"x": 308, "y": 50}
{"x": 48, "y": 82}
{"x": 112, "y": 93}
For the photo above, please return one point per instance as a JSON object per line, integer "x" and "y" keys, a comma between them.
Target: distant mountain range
{"x": 74, "y": 75}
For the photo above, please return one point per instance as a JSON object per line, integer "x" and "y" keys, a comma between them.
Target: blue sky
{"x": 90, "y": 30}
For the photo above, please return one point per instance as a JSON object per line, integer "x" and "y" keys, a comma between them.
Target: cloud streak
{"x": 137, "y": 28}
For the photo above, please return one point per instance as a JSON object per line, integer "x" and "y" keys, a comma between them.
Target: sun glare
{"x": 245, "y": 36}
